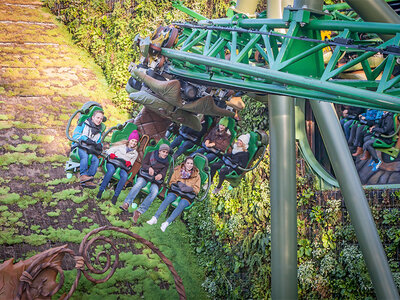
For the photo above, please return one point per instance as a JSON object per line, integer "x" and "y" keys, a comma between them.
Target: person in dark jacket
{"x": 350, "y": 115}
{"x": 189, "y": 137}
{"x": 216, "y": 141}
{"x": 89, "y": 133}
{"x": 155, "y": 164}
{"x": 238, "y": 157}
{"x": 385, "y": 127}
{"x": 359, "y": 131}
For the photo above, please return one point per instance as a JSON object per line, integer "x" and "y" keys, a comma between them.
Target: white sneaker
{"x": 164, "y": 226}
{"x": 152, "y": 221}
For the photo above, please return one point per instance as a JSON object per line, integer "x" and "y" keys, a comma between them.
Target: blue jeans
{"x": 177, "y": 211}
{"x": 186, "y": 145}
{"x": 346, "y": 128}
{"x": 110, "y": 172}
{"x": 210, "y": 156}
{"x": 140, "y": 183}
{"x": 84, "y": 160}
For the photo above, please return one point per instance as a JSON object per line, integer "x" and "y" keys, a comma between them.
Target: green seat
{"x": 146, "y": 189}
{"x": 120, "y": 135}
{"x": 200, "y": 161}
{"x": 87, "y": 110}
{"x": 389, "y": 148}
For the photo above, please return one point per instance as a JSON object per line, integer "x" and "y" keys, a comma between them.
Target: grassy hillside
{"x": 44, "y": 78}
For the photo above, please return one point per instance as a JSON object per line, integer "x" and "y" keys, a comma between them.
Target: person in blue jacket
{"x": 88, "y": 133}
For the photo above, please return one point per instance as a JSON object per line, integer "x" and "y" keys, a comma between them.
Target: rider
{"x": 217, "y": 140}
{"x": 89, "y": 133}
{"x": 154, "y": 168}
{"x": 187, "y": 179}
{"x": 126, "y": 150}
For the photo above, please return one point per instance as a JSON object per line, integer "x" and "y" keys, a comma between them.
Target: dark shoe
{"x": 85, "y": 178}
{"x": 99, "y": 194}
{"x": 124, "y": 206}
{"x": 136, "y": 216}
{"x": 89, "y": 184}
{"x": 358, "y": 152}
{"x": 114, "y": 199}
{"x": 366, "y": 155}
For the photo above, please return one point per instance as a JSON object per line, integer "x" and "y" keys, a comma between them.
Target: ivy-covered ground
{"x": 44, "y": 78}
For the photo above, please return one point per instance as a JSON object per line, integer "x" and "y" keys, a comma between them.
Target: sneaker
{"x": 152, "y": 221}
{"x": 164, "y": 226}
{"x": 114, "y": 199}
{"x": 217, "y": 190}
{"x": 85, "y": 178}
{"x": 99, "y": 194}
{"x": 89, "y": 185}
{"x": 124, "y": 206}
{"x": 371, "y": 163}
{"x": 136, "y": 216}
{"x": 376, "y": 166}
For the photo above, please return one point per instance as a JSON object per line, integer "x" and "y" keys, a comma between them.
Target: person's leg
{"x": 222, "y": 175}
{"x": 149, "y": 199}
{"x": 167, "y": 201}
{"x": 93, "y": 166}
{"x": 210, "y": 156}
{"x": 182, "y": 149}
{"x": 214, "y": 168}
{"x": 346, "y": 128}
{"x": 201, "y": 151}
{"x": 360, "y": 133}
{"x": 140, "y": 183}
{"x": 178, "y": 210}
{"x": 123, "y": 176}
{"x": 176, "y": 142}
{"x": 107, "y": 177}
{"x": 83, "y": 156}
{"x": 371, "y": 150}
{"x": 352, "y": 136}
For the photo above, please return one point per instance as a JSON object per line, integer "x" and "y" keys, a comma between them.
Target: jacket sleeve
{"x": 78, "y": 133}
{"x": 134, "y": 156}
{"x": 146, "y": 162}
{"x": 196, "y": 185}
{"x": 387, "y": 126}
{"x": 225, "y": 143}
{"x": 175, "y": 175}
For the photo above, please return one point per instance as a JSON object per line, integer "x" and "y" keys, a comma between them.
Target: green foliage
{"x": 254, "y": 116}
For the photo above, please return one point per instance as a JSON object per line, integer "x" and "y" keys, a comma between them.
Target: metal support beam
{"x": 355, "y": 200}
{"x": 283, "y": 197}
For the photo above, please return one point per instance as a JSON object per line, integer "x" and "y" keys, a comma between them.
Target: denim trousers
{"x": 186, "y": 145}
{"x": 110, "y": 172}
{"x": 140, "y": 183}
{"x": 177, "y": 211}
{"x": 210, "y": 156}
{"x": 84, "y": 160}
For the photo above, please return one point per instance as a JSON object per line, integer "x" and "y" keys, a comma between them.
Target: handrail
{"x": 69, "y": 125}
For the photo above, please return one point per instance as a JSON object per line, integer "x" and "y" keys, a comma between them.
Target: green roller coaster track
{"x": 282, "y": 57}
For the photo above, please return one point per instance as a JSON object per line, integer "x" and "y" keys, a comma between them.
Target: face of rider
{"x": 163, "y": 153}
{"x": 189, "y": 164}
{"x": 98, "y": 118}
{"x": 240, "y": 144}
{"x": 221, "y": 127}
{"x": 132, "y": 143}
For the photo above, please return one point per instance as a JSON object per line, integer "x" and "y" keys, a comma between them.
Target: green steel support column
{"x": 283, "y": 197}
{"x": 283, "y": 187}
{"x": 356, "y": 202}
{"x": 247, "y": 7}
